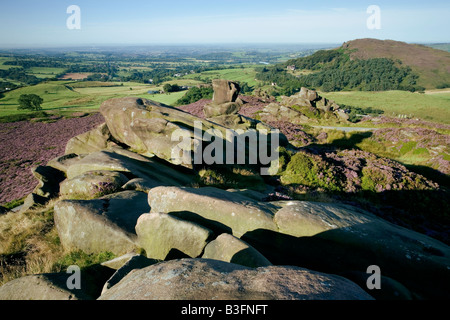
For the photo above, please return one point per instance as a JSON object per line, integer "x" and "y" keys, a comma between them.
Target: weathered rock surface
{"x": 214, "y": 110}
{"x": 105, "y": 224}
{"x": 159, "y": 233}
{"x": 53, "y": 286}
{"x": 62, "y": 163}
{"x": 39, "y": 287}
{"x": 225, "y": 91}
{"x": 153, "y": 172}
{"x": 225, "y": 106}
{"x": 214, "y": 208}
{"x": 338, "y": 238}
{"x": 134, "y": 262}
{"x": 203, "y": 279}
{"x": 147, "y": 126}
{"x": 91, "y": 141}
{"x": 93, "y": 184}
{"x": 304, "y": 107}
{"x": 231, "y": 249}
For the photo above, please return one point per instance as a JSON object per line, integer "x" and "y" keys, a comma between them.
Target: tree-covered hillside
{"x": 334, "y": 70}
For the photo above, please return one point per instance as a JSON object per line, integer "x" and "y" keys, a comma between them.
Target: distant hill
{"x": 365, "y": 65}
{"x": 432, "y": 65}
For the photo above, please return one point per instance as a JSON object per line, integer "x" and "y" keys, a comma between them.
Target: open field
{"x": 75, "y": 76}
{"x": 42, "y": 72}
{"x": 432, "y": 107}
{"x": 247, "y": 74}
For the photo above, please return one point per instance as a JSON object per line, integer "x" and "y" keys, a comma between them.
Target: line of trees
{"x": 194, "y": 94}
{"x": 31, "y": 63}
{"x": 19, "y": 74}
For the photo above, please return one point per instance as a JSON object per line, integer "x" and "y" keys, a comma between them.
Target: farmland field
{"x": 432, "y": 107}
{"x": 234, "y": 74}
{"x": 43, "y": 72}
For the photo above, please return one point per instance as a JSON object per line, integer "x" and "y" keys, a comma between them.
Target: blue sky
{"x": 30, "y": 23}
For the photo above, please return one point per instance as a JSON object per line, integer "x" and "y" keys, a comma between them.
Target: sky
{"x": 43, "y": 23}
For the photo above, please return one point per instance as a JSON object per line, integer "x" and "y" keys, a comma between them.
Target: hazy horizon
{"x": 45, "y": 24}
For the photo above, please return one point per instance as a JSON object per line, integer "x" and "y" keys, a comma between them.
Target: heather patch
{"x": 313, "y": 172}
{"x": 24, "y": 145}
{"x": 385, "y": 121}
{"x": 351, "y": 171}
{"x": 295, "y": 133}
{"x": 414, "y": 146}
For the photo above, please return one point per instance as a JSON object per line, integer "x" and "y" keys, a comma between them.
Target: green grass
{"x": 247, "y": 74}
{"x": 168, "y": 99}
{"x": 430, "y": 107}
{"x": 53, "y": 93}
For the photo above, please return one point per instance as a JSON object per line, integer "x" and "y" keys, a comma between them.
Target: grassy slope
{"x": 432, "y": 107}
{"x": 235, "y": 74}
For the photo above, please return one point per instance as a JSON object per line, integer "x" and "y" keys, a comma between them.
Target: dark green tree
{"x": 30, "y": 102}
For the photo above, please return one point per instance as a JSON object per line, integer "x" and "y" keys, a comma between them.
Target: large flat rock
{"x": 339, "y": 238}
{"x": 154, "y": 172}
{"x": 214, "y": 208}
{"x": 204, "y": 279}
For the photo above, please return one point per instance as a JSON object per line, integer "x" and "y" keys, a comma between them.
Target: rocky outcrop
{"x": 121, "y": 192}
{"x": 153, "y": 129}
{"x": 215, "y": 208}
{"x": 338, "y": 238}
{"x": 304, "y": 107}
{"x": 286, "y": 232}
{"x": 147, "y": 126}
{"x": 91, "y": 141}
{"x": 204, "y": 279}
{"x": 224, "y": 100}
{"x": 225, "y": 106}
